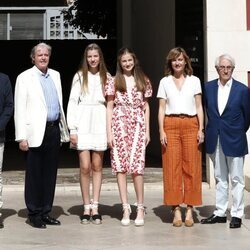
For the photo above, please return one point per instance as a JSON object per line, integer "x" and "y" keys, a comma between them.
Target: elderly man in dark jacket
{"x": 6, "y": 111}
{"x": 228, "y": 111}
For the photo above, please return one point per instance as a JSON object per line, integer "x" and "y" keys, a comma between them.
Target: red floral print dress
{"x": 128, "y": 129}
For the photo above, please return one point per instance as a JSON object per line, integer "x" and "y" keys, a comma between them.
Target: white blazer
{"x": 30, "y": 114}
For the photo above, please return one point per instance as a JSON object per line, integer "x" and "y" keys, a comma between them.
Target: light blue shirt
{"x": 50, "y": 95}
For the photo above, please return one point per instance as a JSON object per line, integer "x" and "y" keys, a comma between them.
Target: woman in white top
{"x": 181, "y": 119}
{"x": 86, "y": 117}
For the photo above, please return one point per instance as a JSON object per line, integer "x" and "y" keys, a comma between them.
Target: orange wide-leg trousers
{"x": 181, "y": 160}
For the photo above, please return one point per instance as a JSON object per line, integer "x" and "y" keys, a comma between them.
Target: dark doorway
{"x": 189, "y": 35}
{"x": 189, "y": 32}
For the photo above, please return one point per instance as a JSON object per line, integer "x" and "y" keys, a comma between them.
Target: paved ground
{"x": 158, "y": 232}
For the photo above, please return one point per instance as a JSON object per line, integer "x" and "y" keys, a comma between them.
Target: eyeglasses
{"x": 228, "y": 68}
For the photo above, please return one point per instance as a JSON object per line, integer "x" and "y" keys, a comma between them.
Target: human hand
{"x": 23, "y": 145}
{"x": 73, "y": 139}
{"x": 110, "y": 141}
{"x": 200, "y": 136}
{"x": 147, "y": 140}
{"x": 163, "y": 139}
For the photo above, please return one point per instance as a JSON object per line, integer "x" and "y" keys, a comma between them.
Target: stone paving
{"x": 158, "y": 232}
{"x": 69, "y": 176}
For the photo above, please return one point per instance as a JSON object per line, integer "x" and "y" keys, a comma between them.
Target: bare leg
{"x": 122, "y": 185}
{"x": 97, "y": 161}
{"x": 85, "y": 166}
{"x": 139, "y": 190}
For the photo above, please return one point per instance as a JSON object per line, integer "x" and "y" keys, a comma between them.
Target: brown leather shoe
{"x": 189, "y": 222}
{"x": 177, "y": 222}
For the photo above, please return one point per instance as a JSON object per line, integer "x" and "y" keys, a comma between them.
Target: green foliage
{"x": 96, "y": 16}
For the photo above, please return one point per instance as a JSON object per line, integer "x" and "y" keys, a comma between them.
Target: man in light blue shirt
{"x": 38, "y": 112}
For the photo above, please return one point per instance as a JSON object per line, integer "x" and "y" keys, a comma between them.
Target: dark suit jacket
{"x": 232, "y": 125}
{"x": 6, "y": 104}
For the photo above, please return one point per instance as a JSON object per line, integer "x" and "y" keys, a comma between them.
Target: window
{"x": 45, "y": 23}
{"x": 57, "y": 29}
{"x": 21, "y": 25}
{"x": 26, "y": 26}
{"x": 3, "y": 26}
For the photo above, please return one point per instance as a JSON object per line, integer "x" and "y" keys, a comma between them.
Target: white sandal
{"x": 126, "y": 221}
{"x": 140, "y": 222}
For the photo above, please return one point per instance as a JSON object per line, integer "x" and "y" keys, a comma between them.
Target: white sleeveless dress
{"x": 86, "y": 114}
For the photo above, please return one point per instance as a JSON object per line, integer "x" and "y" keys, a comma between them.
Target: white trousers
{"x": 226, "y": 167}
{"x": 1, "y": 181}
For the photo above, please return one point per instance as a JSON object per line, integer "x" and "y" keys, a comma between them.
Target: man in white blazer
{"x": 40, "y": 127}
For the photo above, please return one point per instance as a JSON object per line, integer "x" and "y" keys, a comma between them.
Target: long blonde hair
{"x": 84, "y": 67}
{"x": 140, "y": 77}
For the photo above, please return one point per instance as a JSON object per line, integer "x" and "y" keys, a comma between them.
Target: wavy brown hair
{"x": 137, "y": 72}
{"x": 172, "y": 55}
{"x": 84, "y": 67}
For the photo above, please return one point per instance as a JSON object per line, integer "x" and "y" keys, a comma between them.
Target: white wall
{"x": 226, "y": 33}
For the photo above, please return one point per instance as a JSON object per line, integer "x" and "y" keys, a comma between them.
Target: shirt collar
{"x": 228, "y": 83}
{"x": 41, "y": 73}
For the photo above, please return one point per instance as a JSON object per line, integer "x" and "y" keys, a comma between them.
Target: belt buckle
{"x": 51, "y": 123}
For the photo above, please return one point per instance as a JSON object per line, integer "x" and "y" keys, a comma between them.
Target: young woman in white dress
{"x": 86, "y": 117}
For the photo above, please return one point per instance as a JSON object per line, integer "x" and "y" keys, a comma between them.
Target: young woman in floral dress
{"x": 128, "y": 129}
